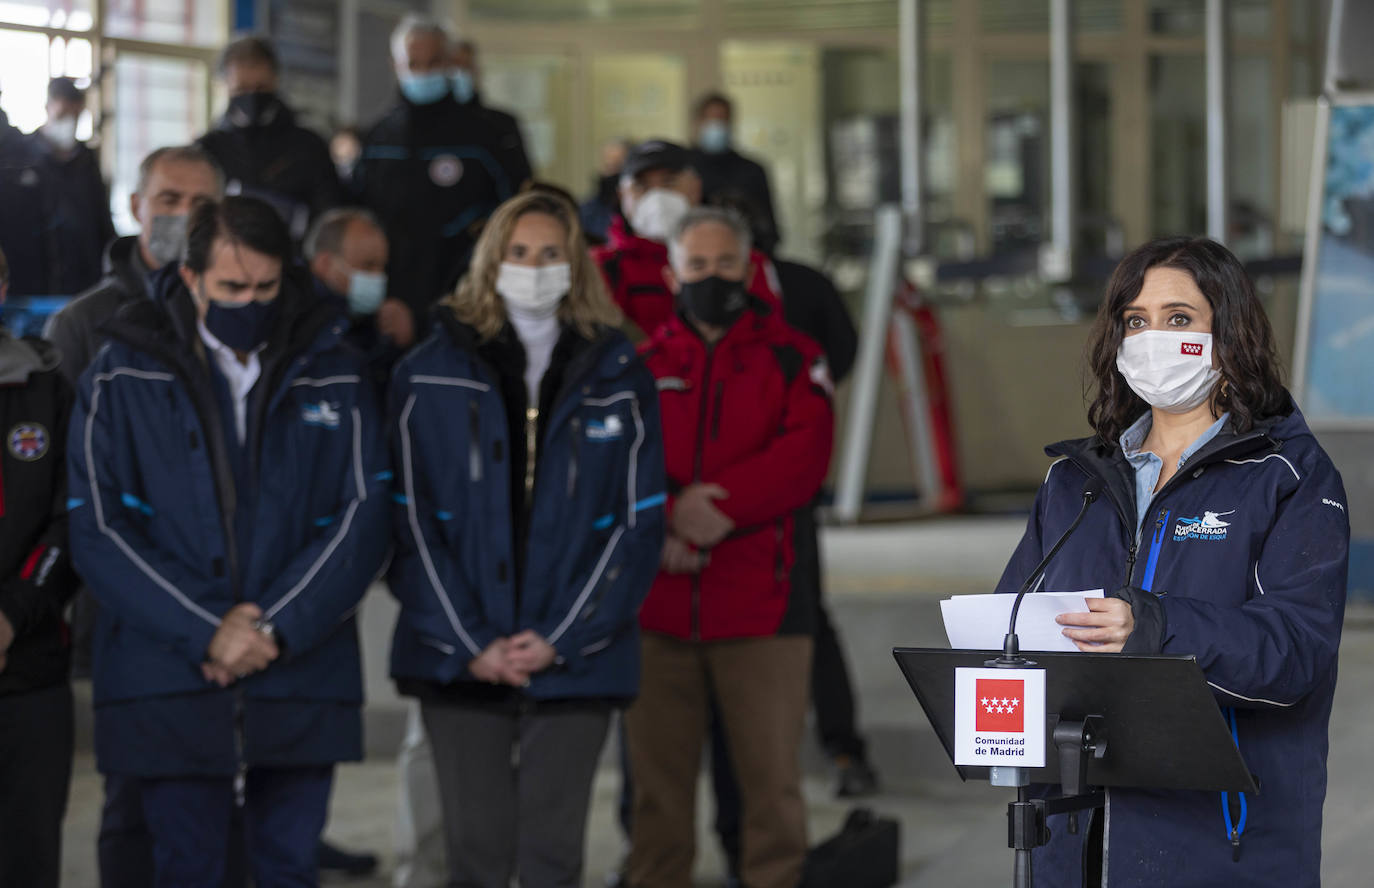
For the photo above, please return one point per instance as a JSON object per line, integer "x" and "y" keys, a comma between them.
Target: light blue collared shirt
{"x": 1148, "y": 466}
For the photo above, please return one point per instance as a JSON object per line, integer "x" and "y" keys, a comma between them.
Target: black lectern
{"x": 1111, "y": 720}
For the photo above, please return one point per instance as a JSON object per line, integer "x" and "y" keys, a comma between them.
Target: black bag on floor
{"x": 865, "y": 854}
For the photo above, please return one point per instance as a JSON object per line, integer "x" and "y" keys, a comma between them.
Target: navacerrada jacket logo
{"x": 1208, "y": 527}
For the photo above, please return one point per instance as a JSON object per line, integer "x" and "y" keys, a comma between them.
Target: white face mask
{"x": 61, "y": 132}
{"x": 533, "y": 293}
{"x": 1169, "y": 370}
{"x": 657, "y": 213}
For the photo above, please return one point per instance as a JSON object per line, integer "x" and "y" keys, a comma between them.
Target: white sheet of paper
{"x": 979, "y": 622}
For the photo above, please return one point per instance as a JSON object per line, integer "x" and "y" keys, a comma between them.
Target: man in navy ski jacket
{"x": 227, "y": 511}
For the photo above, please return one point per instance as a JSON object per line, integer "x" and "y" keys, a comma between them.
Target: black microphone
{"x": 1011, "y": 646}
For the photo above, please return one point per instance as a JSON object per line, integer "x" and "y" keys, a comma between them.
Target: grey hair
{"x": 415, "y": 23}
{"x": 704, "y": 216}
{"x": 327, "y": 234}
{"x": 178, "y": 154}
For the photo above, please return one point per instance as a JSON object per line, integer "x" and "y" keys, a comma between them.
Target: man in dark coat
{"x": 723, "y": 168}
{"x": 78, "y": 209}
{"x": 263, "y": 151}
{"x": 36, "y": 579}
{"x": 430, "y": 170}
{"x": 503, "y": 128}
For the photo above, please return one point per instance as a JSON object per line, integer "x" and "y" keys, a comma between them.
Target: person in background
{"x": 723, "y": 168}
{"x": 172, "y": 182}
{"x": 520, "y": 566}
{"x": 347, "y": 253}
{"x": 429, "y": 171}
{"x": 26, "y": 237}
{"x": 36, "y": 579}
{"x": 502, "y": 129}
{"x": 79, "y": 203}
{"x": 812, "y": 304}
{"x": 230, "y": 552}
{"x": 657, "y": 188}
{"x": 263, "y": 152}
{"x": 747, "y": 426}
{"x": 603, "y": 205}
{"x": 346, "y": 150}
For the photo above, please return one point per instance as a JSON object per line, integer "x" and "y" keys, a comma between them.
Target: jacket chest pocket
{"x": 602, "y": 437}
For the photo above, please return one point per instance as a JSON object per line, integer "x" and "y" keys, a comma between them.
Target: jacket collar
{"x": 124, "y": 263}
{"x": 165, "y": 325}
{"x": 623, "y": 239}
{"x": 21, "y": 358}
{"x": 1098, "y": 458}
{"x": 599, "y": 354}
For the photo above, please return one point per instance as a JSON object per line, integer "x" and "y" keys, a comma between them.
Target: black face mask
{"x": 714, "y": 301}
{"x": 254, "y": 109}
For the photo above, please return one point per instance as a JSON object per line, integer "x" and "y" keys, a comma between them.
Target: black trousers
{"x": 36, "y": 737}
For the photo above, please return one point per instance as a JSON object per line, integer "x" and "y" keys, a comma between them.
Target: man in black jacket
{"x": 171, "y": 182}
{"x": 430, "y": 170}
{"x": 36, "y": 579}
{"x": 263, "y": 151}
{"x": 723, "y": 168}
{"x": 502, "y": 128}
{"x": 25, "y": 237}
{"x": 79, "y": 204}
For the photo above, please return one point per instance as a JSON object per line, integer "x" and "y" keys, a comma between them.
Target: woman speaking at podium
{"x": 1223, "y": 530}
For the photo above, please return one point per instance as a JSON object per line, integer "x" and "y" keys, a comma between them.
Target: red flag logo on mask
{"x": 1001, "y": 705}
{"x": 1191, "y": 348}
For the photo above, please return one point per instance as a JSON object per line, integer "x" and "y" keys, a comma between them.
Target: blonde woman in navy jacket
{"x": 529, "y": 520}
{"x": 1223, "y": 530}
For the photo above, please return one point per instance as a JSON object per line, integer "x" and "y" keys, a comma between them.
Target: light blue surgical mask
{"x": 714, "y": 137}
{"x": 366, "y": 291}
{"x": 424, "y": 89}
{"x": 463, "y": 86}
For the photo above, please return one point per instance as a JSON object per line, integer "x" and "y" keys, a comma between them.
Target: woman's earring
{"x": 1226, "y": 388}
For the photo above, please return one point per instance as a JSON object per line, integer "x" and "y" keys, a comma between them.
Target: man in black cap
{"x": 263, "y": 151}
{"x": 658, "y": 185}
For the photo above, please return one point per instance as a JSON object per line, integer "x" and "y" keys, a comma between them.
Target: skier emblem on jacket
{"x": 1208, "y": 527}
{"x": 323, "y": 414}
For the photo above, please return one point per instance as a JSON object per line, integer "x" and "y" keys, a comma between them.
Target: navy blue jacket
{"x": 1245, "y": 549}
{"x": 152, "y": 521}
{"x": 595, "y": 525}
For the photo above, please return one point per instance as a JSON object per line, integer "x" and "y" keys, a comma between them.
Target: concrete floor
{"x": 884, "y": 585}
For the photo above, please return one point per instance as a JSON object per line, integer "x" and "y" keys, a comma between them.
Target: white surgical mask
{"x": 1170, "y": 370}
{"x": 714, "y": 137}
{"x": 657, "y": 213}
{"x": 366, "y": 291}
{"x": 533, "y": 293}
{"x": 61, "y": 132}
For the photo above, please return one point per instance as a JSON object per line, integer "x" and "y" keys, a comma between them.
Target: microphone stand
{"x": 1026, "y": 817}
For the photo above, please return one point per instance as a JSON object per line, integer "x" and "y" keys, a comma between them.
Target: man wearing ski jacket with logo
{"x": 747, "y": 433}
{"x": 657, "y": 188}
{"x": 36, "y": 580}
{"x": 228, "y": 510}
{"x": 1227, "y": 542}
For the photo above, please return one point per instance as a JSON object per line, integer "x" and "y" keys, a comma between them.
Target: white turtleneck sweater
{"x": 538, "y": 335}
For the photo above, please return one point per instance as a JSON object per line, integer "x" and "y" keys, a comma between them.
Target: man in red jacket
{"x": 658, "y": 186}
{"x": 747, "y": 429}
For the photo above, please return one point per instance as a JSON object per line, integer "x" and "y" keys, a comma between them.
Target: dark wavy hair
{"x": 1242, "y": 340}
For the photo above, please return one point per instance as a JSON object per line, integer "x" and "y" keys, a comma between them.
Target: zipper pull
{"x": 1130, "y": 563}
{"x": 240, "y": 784}
{"x": 1235, "y": 845}
{"x": 531, "y": 442}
